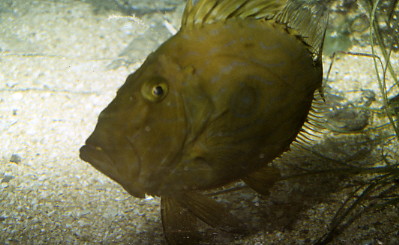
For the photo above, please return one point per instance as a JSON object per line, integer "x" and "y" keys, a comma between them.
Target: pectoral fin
{"x": 211, "y": 212}
{"x": 263, "y": 179}
{"x": 179, "y": 224}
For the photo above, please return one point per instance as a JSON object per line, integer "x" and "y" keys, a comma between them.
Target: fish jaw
{"x": 125, "y": 174}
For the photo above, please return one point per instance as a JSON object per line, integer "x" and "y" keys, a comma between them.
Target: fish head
{"x": 140, "y": 135}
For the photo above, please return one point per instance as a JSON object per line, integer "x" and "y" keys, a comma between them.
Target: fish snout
{"x": 121, "y": 165}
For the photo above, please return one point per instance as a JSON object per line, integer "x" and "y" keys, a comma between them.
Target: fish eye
{"x": 155, "y": 91}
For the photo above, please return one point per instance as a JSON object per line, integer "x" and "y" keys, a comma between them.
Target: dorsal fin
{"x": 211, "y": 11}
{"x": 308, "y": 21}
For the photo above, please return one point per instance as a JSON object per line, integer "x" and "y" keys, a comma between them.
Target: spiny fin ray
{"x": 211, "y": 212}
{"x": 179, "y": 224}
{"x": 211, "y": 11}
{"x": 308, "y": 21}
{"x": 312, "y": 127}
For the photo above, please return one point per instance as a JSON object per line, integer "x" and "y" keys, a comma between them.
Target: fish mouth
{"x": 94, "y": 155}
{"x": 120, "y": 170}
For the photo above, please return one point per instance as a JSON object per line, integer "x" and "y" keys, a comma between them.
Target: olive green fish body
{"x": 236, "y": 100}
{"x": 214, "y": 104}
{"x": 250, "y": 98}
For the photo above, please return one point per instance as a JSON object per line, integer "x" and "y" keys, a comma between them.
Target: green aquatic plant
{"x": 377, "y": 186}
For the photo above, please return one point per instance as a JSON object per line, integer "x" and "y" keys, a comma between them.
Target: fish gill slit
{"x": 180, "y": 152}
{"x": 135, "y": 152}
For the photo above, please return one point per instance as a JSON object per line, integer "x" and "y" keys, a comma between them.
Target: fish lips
{"x": 118, "y": 170}
{"x": 94, "y": 155}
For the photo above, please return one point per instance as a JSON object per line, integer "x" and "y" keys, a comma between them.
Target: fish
{"x": 214, "y": 104}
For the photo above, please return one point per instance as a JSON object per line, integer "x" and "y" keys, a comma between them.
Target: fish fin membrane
{"x": 263, "y": 179}
{"x": 307, "y": 21}
{"x": 179, "y": 224}
{"x": 211, "y": 212}
{"x": 210, "y": 11}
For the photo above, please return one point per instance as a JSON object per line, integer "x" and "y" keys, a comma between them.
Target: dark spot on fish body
{"x": 245, "y": 101}
{"x": 249, "y": 45}
{"x": 277, "y": 103}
